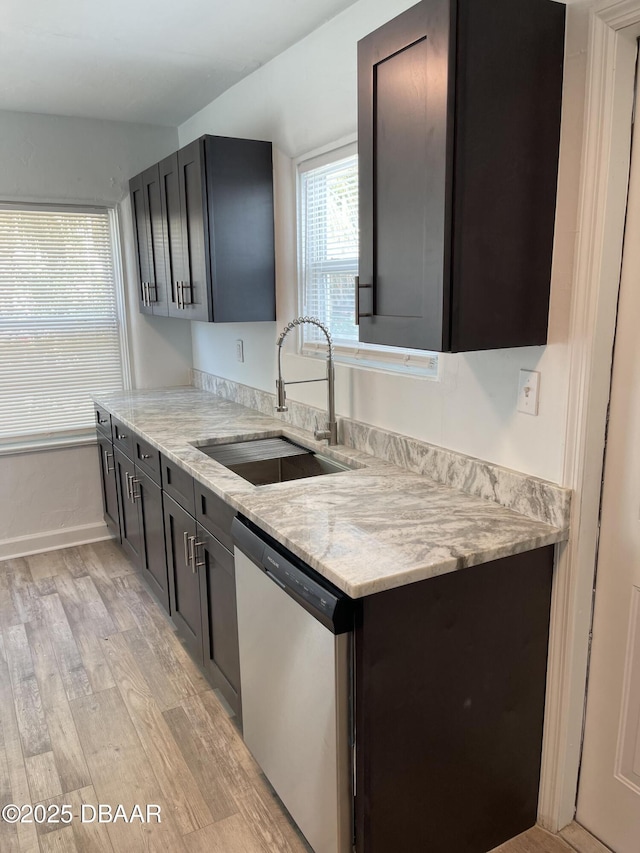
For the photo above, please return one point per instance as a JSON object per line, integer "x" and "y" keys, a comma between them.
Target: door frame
{"x": 614, "y": 28}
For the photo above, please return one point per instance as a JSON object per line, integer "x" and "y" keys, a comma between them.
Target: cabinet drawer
{"x": 122, "y": 437}
{"x": 103, "y": 421}
{"x": 147, "y": 458}
{"x": 179, "y": 485}
{"x": 214, "y": 514}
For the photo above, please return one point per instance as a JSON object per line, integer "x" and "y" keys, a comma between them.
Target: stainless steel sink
{"x": 271, "y": 460}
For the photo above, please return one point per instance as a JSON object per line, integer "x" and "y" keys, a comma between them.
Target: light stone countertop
{"x": 366, "y": 530}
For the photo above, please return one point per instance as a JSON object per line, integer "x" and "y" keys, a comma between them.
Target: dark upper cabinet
{"x": 216, "y": 205}
{"x": 458, "y": 132}
{"x": 150, "y": 242}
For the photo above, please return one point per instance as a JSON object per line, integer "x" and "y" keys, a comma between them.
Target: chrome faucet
{"x": 330, "y": 433}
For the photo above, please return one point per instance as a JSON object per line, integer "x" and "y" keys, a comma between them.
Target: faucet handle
{"x": 281, "y": 395}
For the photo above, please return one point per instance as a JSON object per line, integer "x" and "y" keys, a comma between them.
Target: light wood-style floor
{"x": 100, "y": 703}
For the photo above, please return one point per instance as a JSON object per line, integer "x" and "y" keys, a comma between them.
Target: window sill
{"x": 40, "y": 444}
{"x": 379, "y": 359}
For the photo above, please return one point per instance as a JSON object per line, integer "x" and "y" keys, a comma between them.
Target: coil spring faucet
{"x": 330, "y": 433}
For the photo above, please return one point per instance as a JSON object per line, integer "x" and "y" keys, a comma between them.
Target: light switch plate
{"x": 239, "y": 350}
{"x": 528, "y": 391}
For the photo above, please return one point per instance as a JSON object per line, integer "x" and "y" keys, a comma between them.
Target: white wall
{"x": 306, "y": 98}
{"x": 53, "y": 496}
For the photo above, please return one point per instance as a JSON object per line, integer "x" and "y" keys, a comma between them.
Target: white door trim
{"x": 615, "y": 24}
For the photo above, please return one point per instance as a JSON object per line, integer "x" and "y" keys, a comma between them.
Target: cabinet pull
{"x": 358, "y": 286}
{"x": 187, "y": 552}
{"x": 128, "y": 486}
{"x": 121, "y": 436}
{"x": 192, "y": 558}
{"x": 145, "y": 293}
{"x": 151, "y": 285}
{"x": 103, "y": 420}
{"x": 134, "y": 495}
{"x": 196, "y": 545}
{"x": 106, "y": 461}
{"x": 180, "y": 294}
{"x": 145, "y": 456}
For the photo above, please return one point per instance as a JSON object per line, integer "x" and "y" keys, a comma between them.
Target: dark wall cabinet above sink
{"x": 458, "y": 133}
{"x": 203, "y": 230}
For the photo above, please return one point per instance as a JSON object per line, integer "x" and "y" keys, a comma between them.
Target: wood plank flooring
{"x": 100, "y": 703}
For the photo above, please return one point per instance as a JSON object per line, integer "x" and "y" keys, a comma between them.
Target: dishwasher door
{"x": 295, "y": 680}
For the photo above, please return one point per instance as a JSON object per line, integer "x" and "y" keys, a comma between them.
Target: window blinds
{"x": 59, "y": 329}
{"x": 328, "y": 250}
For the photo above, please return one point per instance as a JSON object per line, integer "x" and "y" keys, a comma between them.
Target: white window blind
{"x": 328, "y": 263}
{"x": 59, "y": 324}
{"x": 329, "y": 247}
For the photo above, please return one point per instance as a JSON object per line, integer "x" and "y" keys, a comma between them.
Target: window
{"x": 59, "y": 319}
{"x": 328, "y": 263}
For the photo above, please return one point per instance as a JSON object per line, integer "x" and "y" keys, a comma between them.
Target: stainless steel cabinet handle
{"x": 103, "y": 420}
{"x": 192, "y": 557}
{"x": 134, "y": 495}
{"x": 196, "y": 545}
{"x": 358, "y": 287}
{"x": 128, "y": 486}
{"x": 180, "y": 294}
{"x": 121, "y": 436}
{"x": 187, "y": 551}
{"x": 145, "y": 456}
{"x": 151, "y": 285}
{"x": 144, "y": 293}
{"x": 106, "y": 461}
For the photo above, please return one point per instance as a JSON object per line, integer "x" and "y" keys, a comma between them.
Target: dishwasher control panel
{"x": 328, "y": 604}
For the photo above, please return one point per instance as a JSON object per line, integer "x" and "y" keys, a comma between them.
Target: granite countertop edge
{"x": 407, "y": 562}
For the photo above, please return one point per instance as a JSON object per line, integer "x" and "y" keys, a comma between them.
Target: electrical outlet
{"x": 528, "y": 392}
{"x": 239, "y": 350}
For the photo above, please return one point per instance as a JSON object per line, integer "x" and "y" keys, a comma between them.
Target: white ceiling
{"x": 156, "y": 61}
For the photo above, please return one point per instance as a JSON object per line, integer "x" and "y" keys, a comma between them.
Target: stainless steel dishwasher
{"x": 295, "y": 632}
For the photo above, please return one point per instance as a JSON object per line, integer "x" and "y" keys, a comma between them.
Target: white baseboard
{"x": 52, "y": 540}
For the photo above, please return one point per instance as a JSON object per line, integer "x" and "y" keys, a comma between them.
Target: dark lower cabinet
{"x": 219, "y": 617}
{"x": 203, "y": 598}
{"x": 153, "y": 558}
{"x": 132, "y": 500}
{"x": 184, "y": 580}
{"x": 149, "y": 506}
{"x": 450, "y": 677}
{"x": 109, "y": 487}
{"x": 130, "y": 529}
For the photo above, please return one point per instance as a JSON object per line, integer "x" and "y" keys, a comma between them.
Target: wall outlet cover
{"x": 528, "y": 392}
{"x": 239, "y": 350}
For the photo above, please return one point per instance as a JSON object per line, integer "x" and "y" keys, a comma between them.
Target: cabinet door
{"x": 403, "y": 94}
{"x": 184, "y": 582}
{"x": 175, "y": 251}
{"x": 219, "y": 616}
{"x": 148, "y": 496}
{"x": 194, "y": 295}
{"x": 156, "y": 293}
{"x": 131, "y": 536}
{"x": 240, "y": 215}
{"x": 142, "y": 240}
{"x": 109, "y": 488}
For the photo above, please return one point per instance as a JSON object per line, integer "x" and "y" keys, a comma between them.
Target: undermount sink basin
{"x": 271, "y": 460}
